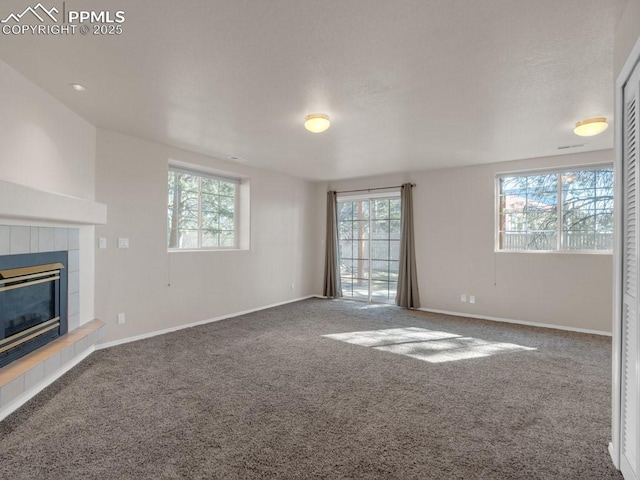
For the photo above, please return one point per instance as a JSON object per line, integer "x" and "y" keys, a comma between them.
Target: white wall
{"x": 46, "y": 146}
{"x": 626, "y": 35}
{"x": 454, "y": 219}
{"x": 132, "y": 181}
{"x": 43, "y": 144}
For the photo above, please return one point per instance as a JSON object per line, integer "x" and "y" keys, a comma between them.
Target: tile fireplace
{"x": 33, "y": 302}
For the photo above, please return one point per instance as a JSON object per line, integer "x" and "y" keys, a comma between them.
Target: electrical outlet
{"x": 293, "y": 286}
{"x": 472, "y": 299}
{"x": 463, "y": 298}
{"x": 102, "y": 242}
{"x": 123, "y": 243}
{"x": 121, "y": 318}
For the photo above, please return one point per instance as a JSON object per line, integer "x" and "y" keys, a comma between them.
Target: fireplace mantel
{"x": 25, "y": 203}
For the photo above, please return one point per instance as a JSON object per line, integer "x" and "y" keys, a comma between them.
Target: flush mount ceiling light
{"x": 316, "y": 122}
{"x": 77, "y": 87}
{"x": 591, "y": 126}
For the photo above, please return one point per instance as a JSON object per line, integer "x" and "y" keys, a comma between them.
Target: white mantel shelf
{"x": 26, "y": 203}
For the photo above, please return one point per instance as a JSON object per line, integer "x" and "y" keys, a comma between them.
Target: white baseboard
{"x": 195, "y": 324}
{"x": 38, "y": 387}
{"x": 613, "y": 455}
{"x": 518, "y": 322}
{"x": 504, "y": 320}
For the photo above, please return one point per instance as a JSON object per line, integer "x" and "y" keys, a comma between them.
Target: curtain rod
{"x": 372, "y": 189}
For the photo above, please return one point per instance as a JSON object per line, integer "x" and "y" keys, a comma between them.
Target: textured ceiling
{"x": 409, "y": 85}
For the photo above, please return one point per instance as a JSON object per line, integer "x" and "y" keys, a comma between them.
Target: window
{"x": 369, "y": 236}
{"x": 202, "y": 210}
{"x": 561, "y": 210}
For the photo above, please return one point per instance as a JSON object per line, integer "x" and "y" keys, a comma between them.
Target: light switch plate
{"x": 102, "y": 243}
{"x": 123, "y": 243}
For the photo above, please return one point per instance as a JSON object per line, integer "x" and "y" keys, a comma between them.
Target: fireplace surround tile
{"x": 73, "y": 279}
{"x": 34, "y": 376}
{"x": 5, "y": 240}
{"x": 74, "y": 260}
{"x": 46, "y": 239}
{"x": 67, "y": 353}
{"x": 74, "y": 322}
{"x": 11, "y": 390}
{"x": 51, "y": 365}
{"x": 74, "y": 239}
{"x": 61, "y": 239}
{"x": 34, "y": 239}
{"x": 73, "y": 304}
{"x": 20, "y": 240}
{"x": 81, "y": 345}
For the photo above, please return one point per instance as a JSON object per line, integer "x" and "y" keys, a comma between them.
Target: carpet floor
{"x": 267, "y": 395}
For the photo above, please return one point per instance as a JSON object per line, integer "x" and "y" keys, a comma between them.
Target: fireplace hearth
{"x": 33, "y": 302}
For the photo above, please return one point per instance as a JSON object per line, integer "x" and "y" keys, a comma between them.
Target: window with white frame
{"x": 202, "y": 210}
{"x": 568, "y": 210}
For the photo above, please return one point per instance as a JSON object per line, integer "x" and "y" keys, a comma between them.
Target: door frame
{"x": 614, "y": 446}
{"x": 390, "y": 193}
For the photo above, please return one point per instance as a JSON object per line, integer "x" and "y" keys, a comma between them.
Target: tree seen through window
{"x": 570, "y": 210}
{"x": 201, "y": 211}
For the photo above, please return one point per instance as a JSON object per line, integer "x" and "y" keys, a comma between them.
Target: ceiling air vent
{"x": 577, "y": 145}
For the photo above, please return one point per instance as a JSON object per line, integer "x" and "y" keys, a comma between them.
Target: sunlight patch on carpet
{"x": 427, "y": 345}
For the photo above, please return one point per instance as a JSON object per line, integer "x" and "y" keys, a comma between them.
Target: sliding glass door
{"x": 369, "y": 234}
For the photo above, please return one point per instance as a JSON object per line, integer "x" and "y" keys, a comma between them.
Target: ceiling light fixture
{"x": 591, "y": 126}
{"x": 77, "y": 87}
{"x": 316, "y": 122}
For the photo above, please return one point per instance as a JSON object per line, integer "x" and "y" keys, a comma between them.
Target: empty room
{"x": 357, "y": 239}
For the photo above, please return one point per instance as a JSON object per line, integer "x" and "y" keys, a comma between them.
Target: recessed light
{"x": 77, "y": 87}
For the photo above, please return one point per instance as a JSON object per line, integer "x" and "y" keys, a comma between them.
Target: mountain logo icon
{"x": 39, "y": 11}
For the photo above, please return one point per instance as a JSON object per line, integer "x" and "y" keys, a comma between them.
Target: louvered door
{"x": 630, "y": 360}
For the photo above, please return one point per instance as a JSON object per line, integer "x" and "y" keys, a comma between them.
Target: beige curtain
{"x": 332, "y": 287}
{"x": 408, "y": 295}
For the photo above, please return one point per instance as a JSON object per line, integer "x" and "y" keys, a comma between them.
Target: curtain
{"x": 407, "y": 295}
{"x": 332, "y": 287}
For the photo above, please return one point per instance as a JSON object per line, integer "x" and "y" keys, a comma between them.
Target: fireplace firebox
{"x": 33, "y": 302}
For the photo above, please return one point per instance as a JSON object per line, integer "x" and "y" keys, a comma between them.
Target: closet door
{"x": 630, "y": 360}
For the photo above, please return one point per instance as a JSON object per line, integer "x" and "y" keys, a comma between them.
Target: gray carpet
{"x": 265, "y": 395}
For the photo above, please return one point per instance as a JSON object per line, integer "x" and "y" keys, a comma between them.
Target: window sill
{"x": 562, "y": 252}
{"x": 206, "y": 250}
